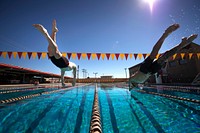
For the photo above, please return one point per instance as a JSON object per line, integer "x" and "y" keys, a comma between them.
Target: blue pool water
{"x": 121, "y": 111}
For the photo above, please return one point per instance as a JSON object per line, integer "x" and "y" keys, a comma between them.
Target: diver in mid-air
{"x": 55, "y": 55}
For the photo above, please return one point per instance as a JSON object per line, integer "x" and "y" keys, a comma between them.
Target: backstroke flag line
{"x": 92, "y": 56}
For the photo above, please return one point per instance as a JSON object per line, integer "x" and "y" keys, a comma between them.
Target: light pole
{"x": 125, "y": 71}
{"x": 84, "y": 72}
{"x": 95, "y": 75}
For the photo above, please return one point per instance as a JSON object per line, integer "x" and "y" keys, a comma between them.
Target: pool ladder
{"x": 95, "y": 123}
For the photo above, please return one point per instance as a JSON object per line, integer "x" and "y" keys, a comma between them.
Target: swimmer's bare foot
{"x": 186, "y": 41}
{"x": 40, "y": 28}
{"x": 171, "y": 28}
{"x": 54, "y": 27}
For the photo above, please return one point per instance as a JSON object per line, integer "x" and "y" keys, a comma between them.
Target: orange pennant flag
{"x": 190, "y": 55}
{"x": 121, "y": 56}
{"x": 24, "y": 54}
{"x": 131, "y": 56}
{"x": 157, "y": 56}
{"x": 94, "y": 56}
{"x": 44, "y": 54}
{"x": 4, "y": 54}
{"x": 15, "y": 55}
{"x": 64, "y": 54}
{"x": 112, "y": 56}
{"x": 174, "y": 56}
{"x": 198, "y": 55}
{"x": 182, "y": 55}
{"x": 103, "y": 56}
{"x": 34, "y": 54}
{"x": 73, "y": 55}
{"x": 84, "y": 55}
{"x": 140, "y": 56}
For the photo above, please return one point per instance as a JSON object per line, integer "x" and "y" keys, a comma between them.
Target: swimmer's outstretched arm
{"x": 159, "y": 43}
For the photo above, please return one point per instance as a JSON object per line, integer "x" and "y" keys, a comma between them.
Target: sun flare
{"x": 151, "y": 3}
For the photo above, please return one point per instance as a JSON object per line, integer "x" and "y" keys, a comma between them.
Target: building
{"x": 183, "y": 67}
{"x": 10, "y": 74}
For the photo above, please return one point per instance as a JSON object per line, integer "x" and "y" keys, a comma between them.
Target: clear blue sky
{"x": 104, "y": 26}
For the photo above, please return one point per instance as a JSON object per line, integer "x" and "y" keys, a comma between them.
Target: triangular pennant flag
{"x": 79, "y": 55}
{"x": 103, "y": 56}
{"x": 69, "y": 55}
{"x": 117, "y": 56}
{"x": 9, "y": 54}
{"x": 121, "y": 56}
{"x": 182, "y": 55}
{"x": 140, "y": 56}
{"x": 24, "y": 54}
{"x": 4, "y": 54}
{"x": 34, "y": 54}
{"x": 157, "y": 56}
{"x": 126, "y": 56}
{"x": 44, "y": 54}
{"x": 190, "y": 55}
{"x": 198, "y": 55}
{"x": 39, "y": 54}
{"x": 94, "y": 56}
{"x": 131, "y": 56}
{"x": 29, "y": 54}
{"x": 19, "y": 54}
{"x": 74, "y": 55}
{"x": 98, "y": 55}
{"x": 14, "y": 55}
{"x": 0, "y": 53}
{"x": 84, "y": 55}
{"x": 88, "y": 55}
{"x": 113, "y": 56}
{"x": 144, "y": 56}
{"x": 64, "y": 54}
{"x": 108, "y": 56}
{"x": 135, "y": 55}
{"x": 174, "y": 56}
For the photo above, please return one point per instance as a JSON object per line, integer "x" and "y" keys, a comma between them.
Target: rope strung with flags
{"x": 93, "y": 56}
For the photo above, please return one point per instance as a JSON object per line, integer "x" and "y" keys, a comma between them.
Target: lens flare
{"x": 151, "y": 3}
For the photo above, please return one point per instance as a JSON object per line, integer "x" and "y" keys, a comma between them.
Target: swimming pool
{"x": 70, "y": 110}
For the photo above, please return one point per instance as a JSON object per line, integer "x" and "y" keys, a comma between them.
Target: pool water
{"x": 121, "y": 111}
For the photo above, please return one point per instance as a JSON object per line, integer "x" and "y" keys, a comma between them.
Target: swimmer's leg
{"x": 54, "y": 30}
{"x": 185, "y": 42}
{"x": 52, "y": 48}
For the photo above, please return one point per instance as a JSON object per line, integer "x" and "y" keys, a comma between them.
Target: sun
{"x": 151, "y": 3}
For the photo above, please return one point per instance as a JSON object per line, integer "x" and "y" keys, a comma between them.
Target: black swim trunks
{"x": 150, "y": 66}
{"x": 62, "y": 62}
